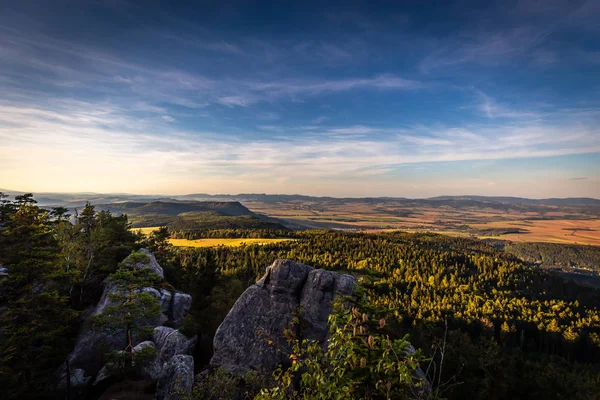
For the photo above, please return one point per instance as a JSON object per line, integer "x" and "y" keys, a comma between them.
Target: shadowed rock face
{"x": 177, "y": 379}
{"x": 251, "y": 338}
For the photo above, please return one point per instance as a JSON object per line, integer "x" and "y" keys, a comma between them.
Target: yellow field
{"x": 211, "y": 242}
{"x": 221, "y": 242}
{"x": 146, "y": 231}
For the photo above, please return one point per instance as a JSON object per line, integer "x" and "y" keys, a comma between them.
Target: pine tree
{"x": 130, "y": 313}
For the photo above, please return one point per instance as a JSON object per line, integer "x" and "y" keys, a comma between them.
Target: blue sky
{"x": 352, "y": 99}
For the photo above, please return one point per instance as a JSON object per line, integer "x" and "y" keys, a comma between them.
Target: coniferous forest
{"x": 488, "y": 324}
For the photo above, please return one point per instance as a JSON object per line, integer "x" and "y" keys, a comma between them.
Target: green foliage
{"x": 90, "y": 249}
{"x": 34, "y": 339}
{"x": 360, "y": 361}
{"x": 557, "y": 255}
{"x": 220, "y": 384}
{"x": 128, "y": 364}
{"x": 214, "y": 225}
{"x": 55, "y": 270}
{"x": 130, "y": 310}
{"x": 513, "y": 331}
{"x": 503, "y": 316}
{"x": 135, "y": 258}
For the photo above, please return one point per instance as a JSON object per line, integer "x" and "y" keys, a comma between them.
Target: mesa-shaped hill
{"x": 192, "y": 215}
{"x": 230, "y": 208}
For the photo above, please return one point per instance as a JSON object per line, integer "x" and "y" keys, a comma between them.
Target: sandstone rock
{"x": 316, "y": 300}
{"x": 91, "y": 346}
{"x": 164, "y": 299}
{"x": 3, "y": 278}
{"x": 182, "y": 302}
{"x": 177, "y": 378}
{"x": 174, "y": 306}
{"x": 252, "y": 335}
{"x": 153, "y": 370}
{"x": 170, "y": 342}
{"x": 152, "y": 264}
{"x": 106, "y": 372}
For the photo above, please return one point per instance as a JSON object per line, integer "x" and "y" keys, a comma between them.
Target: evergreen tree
{"x": 130, "y": 313}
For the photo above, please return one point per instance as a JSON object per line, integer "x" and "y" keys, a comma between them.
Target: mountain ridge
{"x": 80, "y": 198}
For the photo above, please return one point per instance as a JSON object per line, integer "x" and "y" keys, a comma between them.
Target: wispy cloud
{"x": 110, "y": 74}
{"x": 232, "y": 101}
{"x": 99, "y": 134}
{"x": 492, "y": 109}
{"x": 488, "y": 48}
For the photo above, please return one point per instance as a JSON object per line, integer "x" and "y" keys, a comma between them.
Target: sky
{"x": 410, "y": 99}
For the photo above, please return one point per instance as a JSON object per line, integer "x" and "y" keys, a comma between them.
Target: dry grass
{"x": 377, "y": 217}
{"x": 211, "y": 242}
{"x": 547, "y": 226}
{"x": 556, "y": 231}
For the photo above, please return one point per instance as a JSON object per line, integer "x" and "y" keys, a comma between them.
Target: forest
{"x": 499, "y": 326}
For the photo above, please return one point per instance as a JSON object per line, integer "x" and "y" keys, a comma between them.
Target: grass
{"x": 211, "y": 242}
{"x": 148, "y": 230}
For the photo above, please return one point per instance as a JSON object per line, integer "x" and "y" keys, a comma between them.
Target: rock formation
{"x": 86, "y": 361}
{"x": 251, "y": 338}
{"x": 3, "y": 278}
{"x": 177, "y": 379}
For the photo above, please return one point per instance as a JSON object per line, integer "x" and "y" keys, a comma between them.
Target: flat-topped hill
{"x": 230, "y": 208}
{"x": 191, "y": 215}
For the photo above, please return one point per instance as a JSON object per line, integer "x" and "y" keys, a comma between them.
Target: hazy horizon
{"x": 354, "y": 100}
{"x": 216, "y": 194}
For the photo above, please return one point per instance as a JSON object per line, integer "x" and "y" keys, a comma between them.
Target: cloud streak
{"x": 107, "y": 141}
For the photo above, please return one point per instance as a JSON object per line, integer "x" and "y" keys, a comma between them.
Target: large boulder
{"x": 177, "y": 378}
{"x": 251, "y": 338}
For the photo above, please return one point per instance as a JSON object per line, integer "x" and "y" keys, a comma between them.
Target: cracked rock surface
{"x": 251, "y": 338}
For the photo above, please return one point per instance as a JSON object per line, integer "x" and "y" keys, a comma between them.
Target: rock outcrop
{"x": 170, "y": 342}
{"x": 3, "y": 278}
{"x": 77, "y": 382}
{"x": 251, "y": 338}
{"x": 177, "y": 380}
{"x": 87, "y": 358}
{"x": 152, "y": 264}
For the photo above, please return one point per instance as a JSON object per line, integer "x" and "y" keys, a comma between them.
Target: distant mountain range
{"x": 79, "y": 199}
